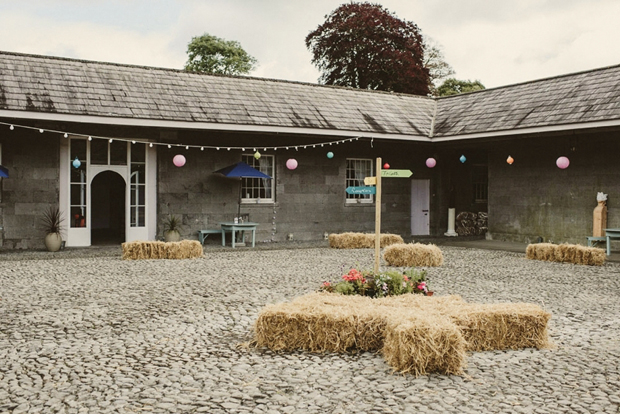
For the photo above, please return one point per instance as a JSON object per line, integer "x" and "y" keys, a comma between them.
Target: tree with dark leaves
{"x": 364, "y": 45}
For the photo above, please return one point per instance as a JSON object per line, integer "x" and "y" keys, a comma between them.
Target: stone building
{"x": 124, "y": 124}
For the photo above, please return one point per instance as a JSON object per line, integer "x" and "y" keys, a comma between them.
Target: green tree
{"x": 210, "y": 54}
{"x": 364, "y": 45}
{"x": 436, "y": 64}
{"x": 453, "y": 86}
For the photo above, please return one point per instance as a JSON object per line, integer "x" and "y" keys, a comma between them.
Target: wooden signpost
{"x": 376, "y": 181}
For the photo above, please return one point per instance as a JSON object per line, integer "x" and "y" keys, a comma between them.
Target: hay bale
{"x": 140, "y": 250}
{"x": 417, "y": 334}
{"x": 413, "y": 255}
{"x": 424, "y": 343}
{"x": 500, "y": 326}
{"x": 361, "y": 240}
{"x": 321, "y": 322}
{"x": 566, "y": 253}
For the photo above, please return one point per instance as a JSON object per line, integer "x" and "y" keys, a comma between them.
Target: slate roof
{"x": 583, "y": 97}
{"x": 31, "y": 83}
{"x": 48, "y": 84}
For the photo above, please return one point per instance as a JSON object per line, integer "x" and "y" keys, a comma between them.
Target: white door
{"x": 420, "y": 205}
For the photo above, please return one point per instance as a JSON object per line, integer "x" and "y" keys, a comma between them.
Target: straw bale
{"x": 501, "y": 326}
{"x": 320, "y": 323}
{"x": 424, "y": 343}
{"x": 413, "y": 255}
{"x": 184, "y": 249}
{"x": 361, "y": 240}
{"x": 417, "y": 334}
{"x": 566, "y": 253}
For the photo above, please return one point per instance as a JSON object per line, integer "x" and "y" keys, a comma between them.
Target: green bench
{"x": 203, "y": 234}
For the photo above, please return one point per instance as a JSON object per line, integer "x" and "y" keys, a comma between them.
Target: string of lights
{"x": 67, "y": 134}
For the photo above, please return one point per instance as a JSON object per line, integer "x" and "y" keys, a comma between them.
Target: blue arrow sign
{"x": 362, "y": 190}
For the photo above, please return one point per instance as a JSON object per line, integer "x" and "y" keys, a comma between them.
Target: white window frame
{"x": 251, "y": 161}
{"x": 356, "y": 170}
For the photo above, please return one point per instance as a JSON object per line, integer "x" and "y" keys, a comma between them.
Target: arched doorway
{"x": 107, "y": 208}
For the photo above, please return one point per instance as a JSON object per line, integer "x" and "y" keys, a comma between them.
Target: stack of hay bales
{"x": 361, "y": 240}
{"x": 184, "y": 249}
{"x": 416, "y": 334}
{"x": 566, "y": 253}
{"x": 413, "y": 255}
{"x": 471, "y": 224}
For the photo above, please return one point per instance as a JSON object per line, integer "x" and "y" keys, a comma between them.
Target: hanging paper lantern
{"x": 330, "y": 155}
{"x": 462, "y": 159}
{"x": 430, "y": 162}
{"x": 178, "y": 160}
{"x": 76, "y": 162}
{"x": 257, "y": 155}
{"x": 562, "y": 162}
{"x": 510, "y": 160}
{"x": 291, "y": 163}
{"x": 386, "y": 166}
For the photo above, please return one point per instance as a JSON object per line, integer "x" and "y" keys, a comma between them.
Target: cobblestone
{"x": 82, "y": 331}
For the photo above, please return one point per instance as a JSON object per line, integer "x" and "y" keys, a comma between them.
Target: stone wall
{"x": 32, "y": 159}
{"x": 310, "y": 200}
{"x": 534, "y": 198}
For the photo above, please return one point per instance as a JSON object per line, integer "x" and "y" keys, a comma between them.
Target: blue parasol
{"x": 241, "y": 170}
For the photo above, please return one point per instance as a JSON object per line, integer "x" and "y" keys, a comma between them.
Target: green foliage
{"x": 345, "y": 288}
{"x": 389, "y": 283}
{"x": 453, "y": 86}
{"x": 172, "y": 223}
{"x": 210, "y": 54}
{"x": 52, "y": 220}
{"x": 364, "y": 45}
{"x": 436, "y": 64}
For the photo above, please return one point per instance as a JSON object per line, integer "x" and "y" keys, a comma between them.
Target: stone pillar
{"x": 451, "y": 216}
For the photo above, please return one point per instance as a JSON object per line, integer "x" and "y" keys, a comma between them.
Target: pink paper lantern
{"x": 178, "y": 160}
{"x": 562, "y": 163}
{"x": 386, "y": 166}
{"x": 291, "y": 163}
{"x": 430, "y": 162}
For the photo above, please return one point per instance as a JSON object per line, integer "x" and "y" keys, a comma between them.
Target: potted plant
{"x": 172, "y": 227}
{"x": 52, "y": 225}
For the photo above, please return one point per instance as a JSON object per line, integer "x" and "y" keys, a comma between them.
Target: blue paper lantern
{"x": 462, "y": 159}
{"x": 330, "y": 155}
{"x": 76, "y": 162}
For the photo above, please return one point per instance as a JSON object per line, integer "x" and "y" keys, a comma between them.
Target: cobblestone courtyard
{"x": 90, "y": 333}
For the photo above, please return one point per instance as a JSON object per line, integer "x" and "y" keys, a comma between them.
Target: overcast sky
{"x": 498, "y": 42}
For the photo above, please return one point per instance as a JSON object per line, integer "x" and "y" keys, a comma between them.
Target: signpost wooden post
{"x": 378, "y": 216}
{"x": 376, "y": 181}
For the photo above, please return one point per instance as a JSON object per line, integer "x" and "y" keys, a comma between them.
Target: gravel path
{"x": 87, "y": 332}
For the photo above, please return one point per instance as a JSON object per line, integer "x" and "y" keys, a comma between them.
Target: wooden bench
{"x": 203, "y": 234}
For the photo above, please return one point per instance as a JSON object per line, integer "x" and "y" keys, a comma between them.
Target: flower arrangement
{"x": 390, "y": 283}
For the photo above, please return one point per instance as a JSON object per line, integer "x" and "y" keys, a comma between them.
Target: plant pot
{"x": 53, "y": 241}
{"x": 429, "y": 293}
{"x": 172, "y": 236}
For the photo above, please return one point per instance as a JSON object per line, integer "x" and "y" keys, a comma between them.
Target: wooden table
{"x": 611, "y": 234}
{"x": 234, "y": 227}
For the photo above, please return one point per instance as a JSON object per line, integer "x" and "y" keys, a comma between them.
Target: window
{"x": 259, "y": 190}
{"x": 104, "y": 152}
{"x": 480, "y": 180}
{"x": 357, "y": 170}
{"x": 138, "y": 185}
{"x": 78, "y": 183}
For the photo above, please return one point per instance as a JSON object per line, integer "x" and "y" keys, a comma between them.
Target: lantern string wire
{"x": 90, "y": 137}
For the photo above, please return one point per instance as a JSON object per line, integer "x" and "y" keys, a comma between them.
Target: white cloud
{"x": 496, "y": 42}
